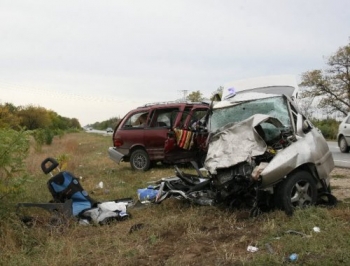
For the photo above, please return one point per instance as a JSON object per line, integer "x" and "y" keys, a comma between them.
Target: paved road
{"x": 340, "y": 159}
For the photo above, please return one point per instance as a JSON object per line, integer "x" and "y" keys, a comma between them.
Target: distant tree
{"x": 57, "y": 121}
{"x": 33, "y": 117}
{"x": 195, "y": 96}
{"x": 332, "y": 85}
{"x": 8, "y": 116}
{"x": 112, "y": 122}
{"x": 74, "y": 123}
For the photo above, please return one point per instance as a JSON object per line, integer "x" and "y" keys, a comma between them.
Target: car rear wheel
{"x": 343, "y": 145}
{"x": 139, "y": 160}
{"x": 298, "y": 190}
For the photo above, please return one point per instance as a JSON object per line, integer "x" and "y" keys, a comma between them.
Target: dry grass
{"x": 170, "y": 233}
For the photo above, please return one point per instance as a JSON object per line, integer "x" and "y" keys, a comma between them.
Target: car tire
{"x": 139, "y": 160}
{"x": 343, "y": 145}
{"x": 298, "y": 190}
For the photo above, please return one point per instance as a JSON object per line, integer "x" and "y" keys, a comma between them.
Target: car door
{"x": 156, "y": 133}
{"x": 186, "y": 139}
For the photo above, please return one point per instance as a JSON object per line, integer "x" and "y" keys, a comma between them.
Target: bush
{"x": 14, "y": 147}
{"x": 43, "y": 136}
{"x": 328, "y": 127}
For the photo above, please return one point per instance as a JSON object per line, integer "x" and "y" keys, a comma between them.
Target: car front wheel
{"x": 343, "y": 145}
{"x": 139, "y": 160}
{"x": 298, "y": 190}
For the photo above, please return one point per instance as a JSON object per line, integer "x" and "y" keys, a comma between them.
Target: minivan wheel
{"x": 343, "y": 145}
{"x": 139, "y": 160}
{"x": 298, "y": 190}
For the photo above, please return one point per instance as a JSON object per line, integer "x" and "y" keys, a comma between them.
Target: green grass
{"x": 170, "y": 233}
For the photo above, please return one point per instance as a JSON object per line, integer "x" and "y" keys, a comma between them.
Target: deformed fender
{"x": 310, "y": 149}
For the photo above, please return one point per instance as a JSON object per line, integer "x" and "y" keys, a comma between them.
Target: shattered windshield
{"x": 273, "y": 106}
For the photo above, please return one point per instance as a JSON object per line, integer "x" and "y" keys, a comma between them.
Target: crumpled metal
{"x": 237, "y": 142}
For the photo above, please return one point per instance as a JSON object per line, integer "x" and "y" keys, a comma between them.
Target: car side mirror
{"x": 300, "y": 125}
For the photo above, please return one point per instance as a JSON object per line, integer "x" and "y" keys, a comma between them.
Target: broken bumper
{"x": 115, "y": 155}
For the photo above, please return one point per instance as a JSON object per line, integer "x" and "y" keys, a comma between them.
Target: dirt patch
{"x": 340, "y": 183}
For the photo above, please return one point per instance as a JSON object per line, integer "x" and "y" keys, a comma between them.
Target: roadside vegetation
{"x": 170, "y": 233}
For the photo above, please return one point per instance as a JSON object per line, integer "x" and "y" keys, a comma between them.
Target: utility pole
{"x": 184, "y": 92}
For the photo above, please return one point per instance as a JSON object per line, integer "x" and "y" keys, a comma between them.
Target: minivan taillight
{"x": 118, "y": 142}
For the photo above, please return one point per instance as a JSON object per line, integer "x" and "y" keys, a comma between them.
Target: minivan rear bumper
{"x": 115, "y": 155}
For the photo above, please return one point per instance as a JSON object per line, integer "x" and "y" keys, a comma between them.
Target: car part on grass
{"x": 70, "y": 200}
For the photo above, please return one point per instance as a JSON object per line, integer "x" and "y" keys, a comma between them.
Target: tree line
{"x": 32, "y": 117}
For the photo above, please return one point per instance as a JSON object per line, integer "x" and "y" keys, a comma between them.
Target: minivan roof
{"x": 174, "y": 103}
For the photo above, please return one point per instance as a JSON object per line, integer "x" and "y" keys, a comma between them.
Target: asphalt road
{"x": 340, "y": 159}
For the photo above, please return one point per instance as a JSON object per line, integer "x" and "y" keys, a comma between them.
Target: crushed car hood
{"x": 238, "y": 142}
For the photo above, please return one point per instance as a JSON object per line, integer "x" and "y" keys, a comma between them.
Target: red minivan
{"x": 171, "y": 132}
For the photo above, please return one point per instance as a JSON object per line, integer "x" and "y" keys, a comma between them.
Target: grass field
{"x": 170, "y": 233}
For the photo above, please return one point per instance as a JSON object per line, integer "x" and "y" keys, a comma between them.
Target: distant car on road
{"x": 109, "y": 129}
{"x": 343, "y": 136}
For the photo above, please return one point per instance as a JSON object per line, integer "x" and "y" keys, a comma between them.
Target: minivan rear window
{"x": 136, "y": 120}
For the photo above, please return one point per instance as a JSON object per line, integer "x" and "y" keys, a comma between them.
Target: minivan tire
{"x": 343, "y": 145}
{"x": 139, "y": 160}
{"x": 298, "y": 190}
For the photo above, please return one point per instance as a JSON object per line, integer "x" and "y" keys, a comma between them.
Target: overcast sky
{"x": 94, "y": 60}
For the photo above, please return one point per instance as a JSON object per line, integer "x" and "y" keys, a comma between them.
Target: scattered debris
{"x": 293, "y": 257}
{"x": 252, "y": 249}
{"x": 269, "y": 248}
{"x": 317, "y": 229}
{"x": 100, "y": 185}
{"x": 136, "y": 227}
{"x": 296, "y": 233}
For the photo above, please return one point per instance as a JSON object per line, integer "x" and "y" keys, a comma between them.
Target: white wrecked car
{"x": 261, "y": 146}
{"x": 262, "y": 153}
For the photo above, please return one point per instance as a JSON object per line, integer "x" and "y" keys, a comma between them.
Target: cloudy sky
{"x": 94, "y": 60}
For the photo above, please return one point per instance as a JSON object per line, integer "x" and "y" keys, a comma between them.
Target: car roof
{"x": 278, "y": 85}
{"x": 174, "y": 104}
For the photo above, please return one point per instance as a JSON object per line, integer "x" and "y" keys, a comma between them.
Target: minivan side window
{"x": 198, "y": 118}
{"x": 163, "y": 117}
{"x": 137, "y": 120}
